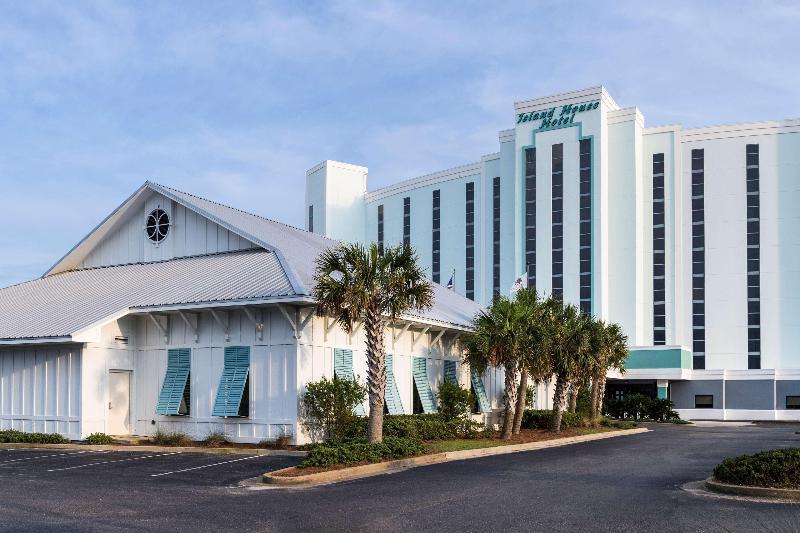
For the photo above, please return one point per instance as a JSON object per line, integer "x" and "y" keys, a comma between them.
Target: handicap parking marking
{"x": 21, "y": 459}
{"x": 111, "y": 462}
{"x": 205, "y": 466}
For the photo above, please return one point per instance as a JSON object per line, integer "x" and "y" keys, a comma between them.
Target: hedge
{"x": 12, "y": 435}
{"x": 775, "y": 469}
{"x": 419, "y": 427}
{"x": 541, "y": 419}
{"x": 354, "y": 452}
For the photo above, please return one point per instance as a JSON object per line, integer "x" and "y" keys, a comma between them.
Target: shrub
{"x": 431, "y": 426}
{"x": 354, "y": 452}
{"x": 584, "y": 404}
{"x": 216, "y": 439}
{"x": 327, "y": 407}
{"x": 99, "y": 438}
{"x": 281, "y": 442}
{"x": 12, "y": 435}
{"x": 641, "y": 407}
{"x": 775, "y": 468}
{"x": 541, "y": 419}
{"x": 174, "y": 438}
{"x": 455, "y": 407}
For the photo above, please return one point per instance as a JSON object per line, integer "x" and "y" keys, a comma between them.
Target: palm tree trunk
{"x": 522, "y": 397}
{"x": 558, "y": 404}
{"x": 511, "y": 397}
{"x": 376, "y": 374}
{"x": 601, "y": 395}
{"x": 573, "y": 397}
{"x": 595, "y": 400}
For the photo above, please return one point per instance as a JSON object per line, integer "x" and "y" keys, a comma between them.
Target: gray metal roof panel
{"x": 62, "y": 304}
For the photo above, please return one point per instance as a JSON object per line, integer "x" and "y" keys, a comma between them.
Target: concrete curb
{"x": 390, "y": 467}
{"x": 157, "y": 449}
{"x": 756, "y": 492}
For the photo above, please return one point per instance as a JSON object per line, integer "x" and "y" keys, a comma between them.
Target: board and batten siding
{"x": 189, "y": 234}
{"x": 273, "y": 384}
{"x": 40, "y": 388}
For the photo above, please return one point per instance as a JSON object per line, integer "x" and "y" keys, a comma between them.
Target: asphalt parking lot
{"x": 631, "y": 483}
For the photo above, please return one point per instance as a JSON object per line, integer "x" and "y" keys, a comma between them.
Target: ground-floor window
{"x": 233, "y": 394}
{"x": 793, "y": 402}
{"x": 704, "y": 401}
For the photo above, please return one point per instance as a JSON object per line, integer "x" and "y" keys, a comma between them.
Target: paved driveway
{"x": 623, "y": 484}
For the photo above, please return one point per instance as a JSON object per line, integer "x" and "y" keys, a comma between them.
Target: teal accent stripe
{"x": 420, "y": 371}
{"x": 662, "y": 393}
{"x": 392, "y": 394}
{"x": 450, "y": 375}
{"x": 666, "y": 358}
{"x": 480, "y": 392}
{"x": 179, "y": 363}
{"x": 231, "y": 384}
{"x": 343, "y": 369}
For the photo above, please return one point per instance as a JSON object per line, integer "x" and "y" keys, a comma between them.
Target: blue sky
{"x": 235, "y": 100}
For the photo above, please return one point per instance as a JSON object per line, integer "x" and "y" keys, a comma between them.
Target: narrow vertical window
{"x": 557, "y": 207}
{"x": 530, "y": 216}
{"x": 698, "y": 260}
{"x": 407, "y": 221}
{"x": 470, "y": 241}
{"x": 585, "y": 226}
{"x": 435, "y": 237}
{"x": 380, "y": 228}
{"x": 311, "y": 218}
{"x": 753, "y": 258}
{"x": 496, "y": 235}
{"x": 659, "y": 251}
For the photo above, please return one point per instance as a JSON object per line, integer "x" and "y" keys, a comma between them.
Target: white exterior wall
{"x": 189, "y": 234}
{"x": 40, "y": 389}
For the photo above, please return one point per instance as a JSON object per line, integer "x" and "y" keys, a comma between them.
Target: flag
{"x": 520, "y": 283}
{"x": 451, "y": 283}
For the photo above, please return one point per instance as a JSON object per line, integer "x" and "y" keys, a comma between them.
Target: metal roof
{"x": 62, "y": 304}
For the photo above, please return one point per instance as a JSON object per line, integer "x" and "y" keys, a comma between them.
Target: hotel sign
{"x": 549, "y": 118}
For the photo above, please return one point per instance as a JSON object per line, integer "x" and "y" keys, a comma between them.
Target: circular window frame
{"x": 156, "y": 226}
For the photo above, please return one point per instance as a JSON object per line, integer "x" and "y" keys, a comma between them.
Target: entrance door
{"x": 119, "y": 402}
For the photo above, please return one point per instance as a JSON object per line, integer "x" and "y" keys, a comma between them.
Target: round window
{"x": 157, "y": 225}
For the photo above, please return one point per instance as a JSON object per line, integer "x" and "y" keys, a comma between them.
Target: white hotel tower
{"x": 688, "y": 238}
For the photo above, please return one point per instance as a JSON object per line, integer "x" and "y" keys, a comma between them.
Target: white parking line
{"x": 204, "y": 466}
{"x": 47, "y": 456}
{"x": 110, "y": 462}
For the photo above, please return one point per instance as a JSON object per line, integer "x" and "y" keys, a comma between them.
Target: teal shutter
{"x": 480, "y": 392}
{"x": 231, "y": 385}
{"x": 420, "y": 371}
{"x": 392, "y": 395}
{"x": 450, "y": 375}
{"x": 343, "y": 369}
{"x": 179, "y": 362}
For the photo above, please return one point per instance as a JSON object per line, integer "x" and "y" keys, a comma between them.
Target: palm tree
{"x": 495, "y": 342}
{"x": 570, "y": 340}
{"x": 612, "y": 350}
{"x": 355, "y": 283}
{"x": 534, "y": 356}
{"x": 588, "y": 360}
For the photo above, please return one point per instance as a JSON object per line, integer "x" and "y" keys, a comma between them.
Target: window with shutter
{"x": 394, "y": 406}
{"x": 233, "y": 385}
{"x": 175, "y": 394}
{"x": 426, "y": 398}
{"x": 343, "y": 369}
{"x": 480, "y": 392}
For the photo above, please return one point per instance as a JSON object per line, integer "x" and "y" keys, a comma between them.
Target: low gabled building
{"x": 182, "y": 314}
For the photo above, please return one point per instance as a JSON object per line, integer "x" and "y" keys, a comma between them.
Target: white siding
{"x": 40, "y": 389}
{"x": 190, "y": 234}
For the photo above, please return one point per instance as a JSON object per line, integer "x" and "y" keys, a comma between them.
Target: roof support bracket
{"x": 415, "y": 340}
{"x": 191, "y": 322}
{"x": 223, "y": 319}
{"x": 258, "y": 321}
{"x": 330, "y": 323}
{"x": 436, "y": 341}
{"x": 163, "y": 328}
{"x": 291, "y": 318}
{"x": 353, "y": 332}
{"x": 397, "y": 334}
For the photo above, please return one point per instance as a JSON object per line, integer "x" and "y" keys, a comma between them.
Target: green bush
{"x": 431, "y": 426}
{"x": 641, "y": 407}
{"x": 354, "y": 452}
{"x": 174, "y": 438}
{"x": 455, "y": 408}
{"x": 327, "y": 407}
{"x": 541, "y": 419}
{"x": 216, "y": 439}
{"x": 99, "y": 438}
{"x": 12, "y": 435}
{"x": 775, "y": 468}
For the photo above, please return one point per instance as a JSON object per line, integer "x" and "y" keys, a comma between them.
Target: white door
{"x": 119, "y": 403}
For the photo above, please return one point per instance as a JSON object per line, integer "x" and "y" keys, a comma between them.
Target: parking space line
{"x": 204, "y": 466}
{"x": 47, "y": 456}
{"x": 110, "y": 462}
